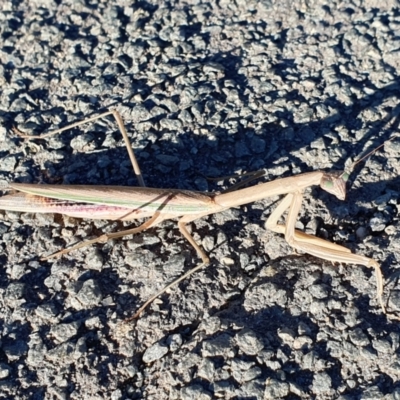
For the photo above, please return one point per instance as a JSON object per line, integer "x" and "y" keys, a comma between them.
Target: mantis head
{"x": 335, "y": 183}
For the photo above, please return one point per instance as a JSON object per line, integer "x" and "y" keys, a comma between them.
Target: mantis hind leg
{"x": 154, "y": 220}
{"x": 121, "y": 127}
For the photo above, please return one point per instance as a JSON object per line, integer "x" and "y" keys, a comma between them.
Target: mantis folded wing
{"x": 129, "y": 203}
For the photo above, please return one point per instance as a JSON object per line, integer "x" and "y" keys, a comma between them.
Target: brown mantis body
{"x": 129, "y": 203}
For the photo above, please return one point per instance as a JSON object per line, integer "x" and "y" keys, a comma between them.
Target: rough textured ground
{"x": 206, "y": 89}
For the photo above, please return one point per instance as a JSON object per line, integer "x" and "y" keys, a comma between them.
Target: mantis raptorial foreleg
{"x": 315, "y": 246}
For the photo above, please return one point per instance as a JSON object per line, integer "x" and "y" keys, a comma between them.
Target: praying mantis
{"x": 130, "y": 203}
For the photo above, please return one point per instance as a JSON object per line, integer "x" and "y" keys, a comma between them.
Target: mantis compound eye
{"x": 345, "y": 176}
{"x": 335, "y": 183}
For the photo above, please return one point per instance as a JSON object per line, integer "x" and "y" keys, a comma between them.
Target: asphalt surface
{"x": 206, "y": 89}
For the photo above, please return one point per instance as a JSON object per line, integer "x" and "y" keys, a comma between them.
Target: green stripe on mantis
{"x": 146, "y": 199}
